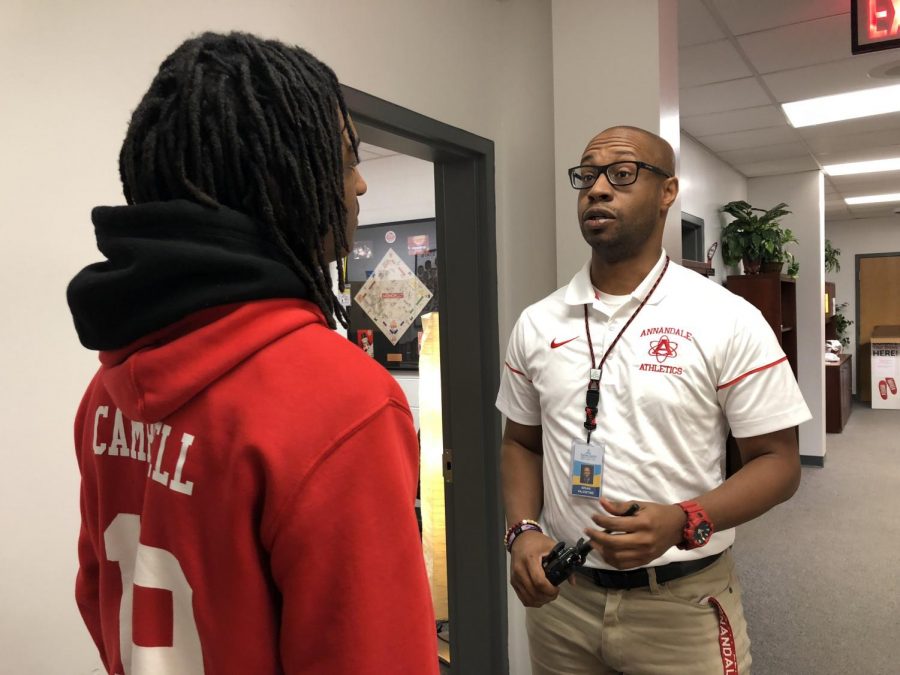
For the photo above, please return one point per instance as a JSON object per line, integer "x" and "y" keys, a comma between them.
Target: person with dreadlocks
{"x": 226, "y": 527}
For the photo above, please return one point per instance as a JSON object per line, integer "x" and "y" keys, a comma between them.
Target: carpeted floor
{"x": 821, "y": 573}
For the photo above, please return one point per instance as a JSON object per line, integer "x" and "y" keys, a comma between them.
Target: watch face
{"x": 702, "y": 533}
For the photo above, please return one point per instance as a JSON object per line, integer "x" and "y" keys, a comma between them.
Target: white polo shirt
{"x": 696, "y": 361}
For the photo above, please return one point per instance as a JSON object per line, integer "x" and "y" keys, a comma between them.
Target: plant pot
{"x": 771, "y": 267}
{"x": 751, "y": 266}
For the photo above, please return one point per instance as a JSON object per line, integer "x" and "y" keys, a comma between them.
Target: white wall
{"x": 73, "y": 74}
{"x": 857, "y": 237}
{"x": 639, "y": 88}
{"x": 707, "y": 183}
{"x": 805, "y": 195}
{"x": 400, "y": 188}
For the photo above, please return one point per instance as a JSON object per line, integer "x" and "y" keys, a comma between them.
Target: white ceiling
{"x": 368, "y": 152}
{"x": 739, "y": 60}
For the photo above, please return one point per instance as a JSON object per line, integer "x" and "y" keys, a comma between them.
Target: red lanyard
{"x": 592, "y": 398}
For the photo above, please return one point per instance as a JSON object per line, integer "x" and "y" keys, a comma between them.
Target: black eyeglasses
{"x": 617, "y": 173}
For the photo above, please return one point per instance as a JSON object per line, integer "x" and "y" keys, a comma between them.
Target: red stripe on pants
{"x": 726, "y": 640}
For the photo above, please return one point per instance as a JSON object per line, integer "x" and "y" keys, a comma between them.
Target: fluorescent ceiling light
{"x": 843, "y": 106}
{"x": 863, "y": 167}
{"x": 874, "y": 199}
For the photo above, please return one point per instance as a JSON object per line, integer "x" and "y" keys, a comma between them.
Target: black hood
{"x": 166, "y": 260}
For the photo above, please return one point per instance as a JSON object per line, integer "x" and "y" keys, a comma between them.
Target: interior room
{"x": 501, "y": 89}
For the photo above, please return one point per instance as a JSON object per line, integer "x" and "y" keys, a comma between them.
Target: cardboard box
{"x": 886, "y": 367}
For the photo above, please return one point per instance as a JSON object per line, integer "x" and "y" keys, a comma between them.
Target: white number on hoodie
{"x": 152, "y": 567}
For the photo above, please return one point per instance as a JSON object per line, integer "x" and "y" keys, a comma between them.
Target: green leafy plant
{"x": 755, "y": 235}
{"x": 841, "y": 323}
{"x": 793, "y": 266}
{"x": 832, "y": 257}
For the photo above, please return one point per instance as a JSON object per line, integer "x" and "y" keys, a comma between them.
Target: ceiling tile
{"x": 695, "y": 24}
{"x": 711, "y": 98}
{"x": 733, "y": 120}
{"x": 369, "y": 151}
{"x": 750, "y": 139}
{"x": 871, "y": 145}
{"x": 745, "y": 17}
{"x": 860, "y": 125}
{"x": 868, "y": 184}
{"x": 849, "y": 74}
{"x": 366, "y": 155}
{"x": 875, "y": 211}
{"x": 798, "y": 45}
{"x": 777, "y": 167}
{"x": 765, "y": 153}
{"x": 707, "y": 63}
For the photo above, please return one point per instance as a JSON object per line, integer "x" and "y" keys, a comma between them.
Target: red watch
{"x": 697, "y": 529}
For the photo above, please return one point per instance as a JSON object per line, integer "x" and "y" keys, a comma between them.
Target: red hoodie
{"x": 248, "y": 486}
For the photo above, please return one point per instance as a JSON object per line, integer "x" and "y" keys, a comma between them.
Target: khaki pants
{"x": 665, "y": 629}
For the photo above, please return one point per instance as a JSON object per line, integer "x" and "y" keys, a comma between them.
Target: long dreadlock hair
{"x": 253, "y": 125}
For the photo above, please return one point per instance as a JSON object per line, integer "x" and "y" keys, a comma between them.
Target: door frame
{"x": 859, "y": 366}
{"x": 470, "y": 369}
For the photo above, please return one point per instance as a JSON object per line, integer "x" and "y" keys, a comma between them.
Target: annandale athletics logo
{"x": 664, "y": 348}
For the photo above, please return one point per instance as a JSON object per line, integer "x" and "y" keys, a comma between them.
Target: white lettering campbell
{"x": 145, "y": 438}
{"x": 137, "y": 441}
{"x": 102, "y": 411}
{"x": 119, "y": 444}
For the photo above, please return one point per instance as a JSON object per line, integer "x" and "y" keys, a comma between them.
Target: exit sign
{"x": 875, "y": 25}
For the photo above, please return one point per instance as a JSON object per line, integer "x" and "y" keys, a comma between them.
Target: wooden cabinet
{"x": 838, "y": 397}
{"x": 775, "y": 296}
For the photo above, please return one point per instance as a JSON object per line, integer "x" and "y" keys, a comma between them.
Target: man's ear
{"x": 669, "y": 192}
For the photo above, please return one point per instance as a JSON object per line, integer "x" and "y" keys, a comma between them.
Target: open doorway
{"x": 876, "y": 305}
{"x": 465, "y": 255}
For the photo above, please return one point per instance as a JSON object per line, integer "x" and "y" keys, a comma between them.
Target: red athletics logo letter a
{"x": 663, "y": 348}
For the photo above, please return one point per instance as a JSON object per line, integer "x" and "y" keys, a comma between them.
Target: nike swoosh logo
{"x": 554, "y": 344}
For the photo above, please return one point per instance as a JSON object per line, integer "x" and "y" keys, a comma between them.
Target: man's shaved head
{"x": 626, "y": 222}
{"x": 659, "y": 152}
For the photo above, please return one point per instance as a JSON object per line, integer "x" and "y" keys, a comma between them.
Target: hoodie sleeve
{"x": 348, "y": 560}
{"x": 87, "y": 582}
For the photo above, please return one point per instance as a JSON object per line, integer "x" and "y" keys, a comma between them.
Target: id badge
{"x": 587, "y": 469}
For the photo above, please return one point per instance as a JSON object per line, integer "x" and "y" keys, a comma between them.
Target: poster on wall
{"x": 393, "y": 297}
{"x": 392, "y": 285}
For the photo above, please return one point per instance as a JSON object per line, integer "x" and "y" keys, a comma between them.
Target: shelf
{"x": 775, "y": 296}
{"x": 698, "y": 266}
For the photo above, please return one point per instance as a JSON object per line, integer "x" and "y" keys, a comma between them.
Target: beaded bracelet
{"x": 519, "y": 528}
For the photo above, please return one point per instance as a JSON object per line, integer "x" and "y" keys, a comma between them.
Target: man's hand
{"x": 526, "y": 574}
{"x": 642, "y": 538}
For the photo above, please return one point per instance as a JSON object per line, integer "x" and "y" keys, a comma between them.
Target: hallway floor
{"x": 821, "y": 573}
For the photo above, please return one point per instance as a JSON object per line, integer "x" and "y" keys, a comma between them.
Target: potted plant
{"x": 755, "y": 236}
{"x": 841, "y": 323}
{"x": 832, "y": 257}
{"x": 793, "y": 266}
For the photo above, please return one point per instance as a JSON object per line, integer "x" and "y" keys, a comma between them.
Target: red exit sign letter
{"x": 884, "y": 18}
{"x": 875, "y": 25}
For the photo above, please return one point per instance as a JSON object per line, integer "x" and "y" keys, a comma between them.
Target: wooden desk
{"x": 838, "y": 394}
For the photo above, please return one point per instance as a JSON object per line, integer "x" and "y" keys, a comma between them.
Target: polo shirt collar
{"x": 580, "y": 290}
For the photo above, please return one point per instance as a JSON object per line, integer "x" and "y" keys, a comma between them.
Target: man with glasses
{"x": 635, "y": 371}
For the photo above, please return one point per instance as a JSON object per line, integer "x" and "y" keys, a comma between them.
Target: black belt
{"x": 640, "y": 577}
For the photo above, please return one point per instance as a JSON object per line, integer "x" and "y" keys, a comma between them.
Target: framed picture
{"x": 393, "y": 278}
